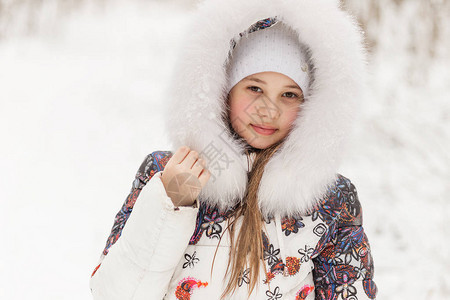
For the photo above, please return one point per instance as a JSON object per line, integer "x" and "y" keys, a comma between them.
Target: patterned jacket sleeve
{"x": 147, "y": 240}
{"x": 343, "y": 266}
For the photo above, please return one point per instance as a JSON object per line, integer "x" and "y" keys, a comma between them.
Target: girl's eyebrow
{"x": 263, "y": 82}
{"x": 293, "y": 87}
{"x": 256, "y": 79}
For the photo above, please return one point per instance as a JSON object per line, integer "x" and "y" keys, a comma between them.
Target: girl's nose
{"x": 267, "y": 108}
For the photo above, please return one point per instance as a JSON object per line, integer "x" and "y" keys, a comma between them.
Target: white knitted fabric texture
{"x": 275, "y": 49}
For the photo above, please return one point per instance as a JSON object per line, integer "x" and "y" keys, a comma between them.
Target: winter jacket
{"x": 163, "y": 253}
{"x": 314, "y": 243}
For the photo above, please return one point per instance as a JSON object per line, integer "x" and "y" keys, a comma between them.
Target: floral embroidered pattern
{"x": 212, "y": 225}
{"x": 342, "y": 256}
{"x": 152, "y": 164}
{"x": 370, "y": 287}
{"x": 291, "y": 225}
{"x": 293, "y": 265}
{"x": 304, "y": 292}
{"x": 191, "y": 260}
{"x": 274, "y": 295}
{"x": 346, "y": 289}
{"x": 261, "y": 24}
{"x": 320, "y": 229}
{"x": 209, "y": 220}
{"x": 306, "y": 253}
{"x": 270, "y": 254}
{"x": 95, "y": 270}
{"x": 243, "y": 277}
{"x": 186, "y": 286}
{"x": 276, "y": 268}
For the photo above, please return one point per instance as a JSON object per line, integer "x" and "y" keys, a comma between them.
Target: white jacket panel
{"x": 140, "y": 264}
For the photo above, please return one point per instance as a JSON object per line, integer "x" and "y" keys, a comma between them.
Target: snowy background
{"x": 81, "y": 88}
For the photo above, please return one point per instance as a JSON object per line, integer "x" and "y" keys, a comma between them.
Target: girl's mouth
{"x": 262, "y": 130}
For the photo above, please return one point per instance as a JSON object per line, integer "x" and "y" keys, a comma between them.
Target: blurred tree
{"x": 419, "y": 29}
{"x": 425, "y": 19}
{"x": 27, "y": 17}
{"x": 425, "y": 22}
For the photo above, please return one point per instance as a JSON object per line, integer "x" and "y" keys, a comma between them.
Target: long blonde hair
{"x": 248, "y": 252}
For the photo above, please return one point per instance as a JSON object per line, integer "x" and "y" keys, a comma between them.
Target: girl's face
{"x": 263, "y": 107}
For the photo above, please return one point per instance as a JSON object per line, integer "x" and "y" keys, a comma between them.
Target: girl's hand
{"x": 184, "y": 176}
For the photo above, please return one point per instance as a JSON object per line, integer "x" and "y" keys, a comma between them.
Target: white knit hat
{"x": 275, "y": 49}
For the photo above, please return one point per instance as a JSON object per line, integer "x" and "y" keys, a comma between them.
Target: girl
{"x": 250, "y": 205}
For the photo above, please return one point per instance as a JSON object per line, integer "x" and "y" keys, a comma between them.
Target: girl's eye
{"x": 254, "y": 89}
{"x": 291, "y": 95}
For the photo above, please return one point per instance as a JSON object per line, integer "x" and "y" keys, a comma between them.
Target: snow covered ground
{"x": 80, "y": 108}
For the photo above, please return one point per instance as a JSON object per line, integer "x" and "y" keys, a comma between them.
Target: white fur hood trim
{"x": 299, "y": 174}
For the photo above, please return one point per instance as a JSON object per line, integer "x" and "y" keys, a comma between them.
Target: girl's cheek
{"x": 243, "y": 105}
{"x": 290, "y": 114}
{"x": 294, "y": 116}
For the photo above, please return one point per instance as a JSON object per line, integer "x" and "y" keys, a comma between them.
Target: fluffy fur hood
{"x": 300, "y": 173}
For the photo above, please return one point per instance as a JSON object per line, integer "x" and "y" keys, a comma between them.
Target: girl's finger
{"x": 198, "y": 167}
{"x": 190, "y": 159}
{"x": 180, "y": 155}
{"x": 204, "y": 177}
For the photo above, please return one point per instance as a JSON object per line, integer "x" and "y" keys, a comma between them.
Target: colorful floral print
{"x": 212, "y": 225}
{"x": 152, "y": 164}
{"x": 291, "y": 268}
{"x": 209, "y": 219}
{"x": 276, "y": 268}
{"x": 275, "y": 264}
{"x": 95, "y": 270}
{"x": 291, "y": 225}
{"x": 304, "y": 292}
{"x": 342, "y": 256}
{"x": 186, "y": 286}
{"x": 370, "y": 288}
{"x": 293, "y": 265}
{"x": 346, "y": 289}
{"x": 262, "y": 24}
{"x": 269, "y": 276}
